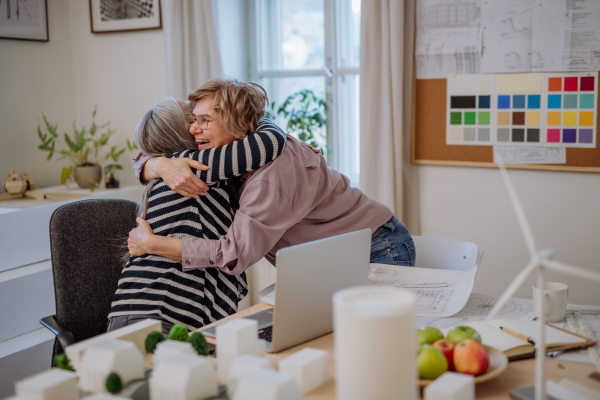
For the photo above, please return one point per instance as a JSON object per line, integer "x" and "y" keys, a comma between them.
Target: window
{"x": 314, "y": 44}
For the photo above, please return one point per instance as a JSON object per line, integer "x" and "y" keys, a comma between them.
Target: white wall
{"x": 472, "y": 204}
{"x": 123, "y": 73}
{"x": 36, "y": 77}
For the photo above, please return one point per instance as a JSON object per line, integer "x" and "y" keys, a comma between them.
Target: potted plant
{"x": 82, "y": 149}
{"x": 306, "y": 116}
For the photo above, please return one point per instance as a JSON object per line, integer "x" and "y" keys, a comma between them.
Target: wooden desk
{"x": 518, "y": 374}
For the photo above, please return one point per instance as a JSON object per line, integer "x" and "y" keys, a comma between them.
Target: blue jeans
{"x": 392, "y": 244}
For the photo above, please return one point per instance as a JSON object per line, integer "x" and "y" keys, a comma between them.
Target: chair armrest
{"x": 65, "y": 337}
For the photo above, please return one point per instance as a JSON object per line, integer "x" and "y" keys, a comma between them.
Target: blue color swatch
{"x": 503, "y": 101}
{"x": 554, "y": 101}
{"x": 533, "y": 101}
{"x": 519, "y": 101}
{"x": 484, "y": 101}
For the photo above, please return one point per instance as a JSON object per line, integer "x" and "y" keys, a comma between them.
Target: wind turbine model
{"x": 539, "y": 262}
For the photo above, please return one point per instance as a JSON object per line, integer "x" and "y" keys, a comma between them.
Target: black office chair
{"x": 87, "y": 241}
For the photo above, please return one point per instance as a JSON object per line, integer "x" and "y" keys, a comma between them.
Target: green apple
{"x": 431, "y": 362}
{"x": 460, "y": 333}
{"x": 428, "y": 335}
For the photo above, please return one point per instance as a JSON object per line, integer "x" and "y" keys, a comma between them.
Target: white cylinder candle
{"x": 375, "y": 351}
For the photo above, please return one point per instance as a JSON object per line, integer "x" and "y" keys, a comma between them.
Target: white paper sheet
{"x": 507, "y": 38}
{"x": 582, "y": 36}
{"x": 540, "y": 36}
{"x": 477, "y": 308}
{"x": 268, "y": 294}
{"x": 449, "y": 38}
{"x": 439, "y": 292}
{"x": 529, "y": 155}
{"x": 586, "y": 318}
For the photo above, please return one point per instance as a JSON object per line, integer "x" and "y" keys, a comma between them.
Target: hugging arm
{"x": 241, "y": 156}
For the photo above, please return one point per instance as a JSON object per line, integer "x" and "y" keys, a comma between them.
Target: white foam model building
{"x": 451, "y": 386}
{"x": 183, "y": 377}
{"x": 54, "y": 384}
{"x": 104, "y": 396}
{"x": 236, "y": 338}
{"x": 167, "y": 348}
{"x": 242, "y": 366}
{"x": 265, "y": 384}
{"x": 106, "y": 357}
{"x": 309, "y": 367}
{"x": 135, "y": 333}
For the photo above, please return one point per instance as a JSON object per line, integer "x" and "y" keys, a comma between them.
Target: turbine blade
{"x": 571, "y": 270}
{"x": 516, "y": 203}
{"x": 511, "y": 289}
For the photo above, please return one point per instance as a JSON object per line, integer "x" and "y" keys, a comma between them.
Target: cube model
{"x": 135, "y": 333}
{"x": 242, "y": 366}
{"x": 168, "y": 348}
{"x": 235, "y": 338}
{"x": 267, "y": 385}
{"x": 54, "y": 384}
{"x": 106, "y": 357}
{"x": 309, "y": 367}
{"x": 259, "y": 349}
{"x": 183, "y": 377}
{"x": 451, "y": 386}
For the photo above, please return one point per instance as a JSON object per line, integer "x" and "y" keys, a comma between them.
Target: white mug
{"x": 555, "y": 300}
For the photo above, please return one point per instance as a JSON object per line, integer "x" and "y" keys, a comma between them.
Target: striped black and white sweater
{"x": 157, "y": 285}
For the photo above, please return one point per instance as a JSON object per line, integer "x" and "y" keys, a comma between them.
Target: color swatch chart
{"x": 522, "y": 109}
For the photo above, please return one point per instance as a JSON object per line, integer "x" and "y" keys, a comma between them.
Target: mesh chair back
{"x": 87, "y": 241}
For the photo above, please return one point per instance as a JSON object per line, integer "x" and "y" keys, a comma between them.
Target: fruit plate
{"x": 498, "y": 363}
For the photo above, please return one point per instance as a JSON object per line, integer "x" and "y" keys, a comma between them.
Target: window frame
{"x": 332, "y": 88}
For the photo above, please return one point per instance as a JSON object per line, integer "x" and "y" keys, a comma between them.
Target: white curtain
{"x": 193, "y": 55}
{"x": 386, "y": 89}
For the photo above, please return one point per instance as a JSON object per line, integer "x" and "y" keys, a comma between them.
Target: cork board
{"x": 429, "y": 137}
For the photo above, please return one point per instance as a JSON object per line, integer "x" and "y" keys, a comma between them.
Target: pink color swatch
{"x": 553, "y": 135}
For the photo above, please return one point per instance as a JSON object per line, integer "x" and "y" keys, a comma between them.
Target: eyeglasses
{"x": 201, "y": 120}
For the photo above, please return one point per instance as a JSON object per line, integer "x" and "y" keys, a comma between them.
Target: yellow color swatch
{"x": 519, "y": 84}
{"x": 533, "y": 118}
{"x": 554, "y": 118}
{"x": 455, "y": 135}
{"x": 503, "y": 118}
{"x": 570, "y": 118}
{"x": 586, "y": 118}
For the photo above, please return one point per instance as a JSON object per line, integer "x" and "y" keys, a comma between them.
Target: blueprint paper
{"x": 507, "y": 38}
{"x": 530, "y": 155}
{"x": 586, "y": 318}
{"x": 438, "y": 292}
{"x": 582, "y": 36}
{"x": 477, "y": 308}
{"x": 449, "y": 38}
{"x": 540, "y": 36}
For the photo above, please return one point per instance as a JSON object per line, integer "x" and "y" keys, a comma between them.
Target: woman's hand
{"x": 316, "y": 151}
{"x": 139, "y": 239}
{"x": 177, "y": 174}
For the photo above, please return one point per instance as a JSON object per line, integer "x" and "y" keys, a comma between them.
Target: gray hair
{"x": 161, "y": 132}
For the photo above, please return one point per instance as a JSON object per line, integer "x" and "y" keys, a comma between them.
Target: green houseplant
{"x": 306, "y": 117}
{"x": 82, "y": 150}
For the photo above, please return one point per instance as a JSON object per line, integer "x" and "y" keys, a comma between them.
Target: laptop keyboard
{"x": 265, "y": 333}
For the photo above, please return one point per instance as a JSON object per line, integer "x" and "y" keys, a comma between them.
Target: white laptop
{"x": 307, "y": 277}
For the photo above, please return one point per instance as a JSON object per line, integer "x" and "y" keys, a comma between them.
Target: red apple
{"x": 447, "y": 348}
{"x": 470, "y": 357}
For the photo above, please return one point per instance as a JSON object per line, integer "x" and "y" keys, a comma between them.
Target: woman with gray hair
{"x": 156, "y": 287}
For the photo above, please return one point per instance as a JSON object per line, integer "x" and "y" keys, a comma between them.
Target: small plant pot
{"x": 111, "y": 182}
{"x": 87, "y": 175}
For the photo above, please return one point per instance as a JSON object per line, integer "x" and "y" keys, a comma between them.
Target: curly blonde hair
{"x": 239, "y": 105}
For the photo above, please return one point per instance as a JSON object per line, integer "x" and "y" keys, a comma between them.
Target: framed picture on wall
{"x": 24, "y": 20}
{"x": 124, "y": 15}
